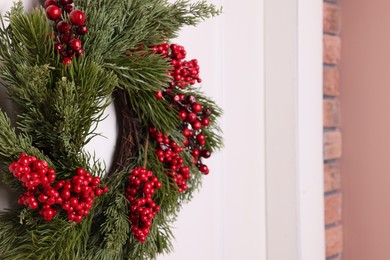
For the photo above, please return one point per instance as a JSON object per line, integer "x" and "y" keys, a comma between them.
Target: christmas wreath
{"x": 63, "y": 64}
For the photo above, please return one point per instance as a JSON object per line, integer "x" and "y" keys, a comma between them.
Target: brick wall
{"x": 332, "y": 135}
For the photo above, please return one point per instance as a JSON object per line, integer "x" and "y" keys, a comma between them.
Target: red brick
{"x": 332, "y": 49}
{"x": 332, "y": 177}
{"x": 331, "y": 81}
{"x": 332, "y": 145}
{"x": 334, "y": 240}
{"x": 333, "y": 206}
{"x": 331, "y": 22}
{"x": 331, "y": 115}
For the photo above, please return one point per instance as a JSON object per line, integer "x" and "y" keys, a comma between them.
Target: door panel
{"x": 226, "y": 219}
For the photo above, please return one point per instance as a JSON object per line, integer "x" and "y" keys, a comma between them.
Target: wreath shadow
{"x": 8, "y": 197}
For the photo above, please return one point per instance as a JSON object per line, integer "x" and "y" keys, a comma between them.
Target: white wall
{"x": 226, "y": 220}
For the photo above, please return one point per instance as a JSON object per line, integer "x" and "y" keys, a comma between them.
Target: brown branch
{"x": 129, "y": 133}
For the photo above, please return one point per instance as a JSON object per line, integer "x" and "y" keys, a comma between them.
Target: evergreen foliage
{"x": 60, "y": 106}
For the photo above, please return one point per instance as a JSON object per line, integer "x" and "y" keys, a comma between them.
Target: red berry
{"x": 65, "y": 194}
{"x": 183, "y": 115}
{"x": 206, "y": 112}
{"x": 77, "y": 188}
{"x": 197, "y": 108}
{"x": 59, "y": 201}
{"x": 66, "y": 206}
{"x": 66, "y": 60}
{"x": 23, "y": 161}
{"x": 159, "y": 95}
{"x": 34, "y": 205}
{"x": 158, "y": 185}
{"x": 74, "y": 201}
{"x": 71, "y": 216}
{"x": 68, "y": 8}
{"x": 195, "y": 153}
{"x": 206, "y": 121}
{"x": 141, "y": 238}
{"x": 49, "y": 213}
{"x": 205, "y": 154}
{"x": 49, "y": 3}
{"x": 197, "y": 125}
{"x": 63, "y": 27}
{"x": 51, "y": 177}
{"x": 75, "y": 44}
{"x": 176, "y": 98}
{"x": 51, "y": 201}
{"x": 65, "y": 38}
{"x": 82, "y": 30}
{"x": 77, "y": 17}
{"x": 42, "y": 198}
{"x": 191, "y": 99}
{"x": 80, "y": 52}
{"x": 78, "y": 218}
{"x": 52, "y": 193}
{"x": 80, "y": 171}
{"x": 204, "y": 169}
{"x": 58, "y": 47}
{"x": 98, "y": 192}
{"x": 53, "y": 12}
{"x": 95, "y": 181}
{"x": 65, "y": 2}
{"x": 200, "y": 138}
{"x": 191, "y": 117}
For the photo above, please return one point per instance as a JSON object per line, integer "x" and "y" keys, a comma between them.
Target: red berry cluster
{"x": 194, "y": 116}
{"x": 67, "y": 42}
{"x": 42, "y": 190}
{"x": 183, "y": 72}
{"x": 78, "y": 194}
{"x": 168, "y": 152}
{"x": 141, "y": 187}
{"x": 37, "y": 178}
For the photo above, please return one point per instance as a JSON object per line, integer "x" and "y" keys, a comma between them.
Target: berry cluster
{"x": 75, "y": 197}
{"x": 168, "y": 153}
{"x": 183, "y": 72}
{"x": 141, "y": 187}
{"x": 37, "y": 178}
{"x": 194, "y": 116}
{"x": 78, "y": 194}
{"x": 67, "y": 35}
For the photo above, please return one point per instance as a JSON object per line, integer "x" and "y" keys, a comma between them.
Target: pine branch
{"x": 26, "y": 39}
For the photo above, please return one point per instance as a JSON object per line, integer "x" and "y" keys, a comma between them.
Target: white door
{"x": 262, "y": 60}
{"x": 226, "y": 219}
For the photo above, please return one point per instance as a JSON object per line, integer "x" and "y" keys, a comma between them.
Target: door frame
{"x": 294, "y": 146}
